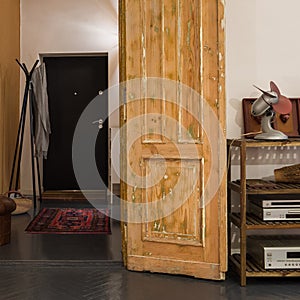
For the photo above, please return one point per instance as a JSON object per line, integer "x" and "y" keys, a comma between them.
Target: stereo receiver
{"x": 275, "y": 214}
{"x": 277, "y": 252}
{"x": 273, "y": 203}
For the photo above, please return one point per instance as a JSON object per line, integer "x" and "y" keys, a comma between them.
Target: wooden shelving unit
{"x": 246, "y": 221}
{"x": 254, "y": 270}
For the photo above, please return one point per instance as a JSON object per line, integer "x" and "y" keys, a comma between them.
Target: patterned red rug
{"x": 71, "y": 221}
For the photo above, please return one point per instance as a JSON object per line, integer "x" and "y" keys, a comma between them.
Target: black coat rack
{"x": 28, "y": 95}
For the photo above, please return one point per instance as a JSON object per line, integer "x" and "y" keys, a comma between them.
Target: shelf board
{"x": 254, "y": 270}
{"x": 263, "y": 187}
{"x": 253, "y": 222}
{"x": 252, "y": 143}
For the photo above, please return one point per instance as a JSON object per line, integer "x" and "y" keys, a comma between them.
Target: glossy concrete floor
{"x": 26, "y": 246}
{"x": 47, "y": 266}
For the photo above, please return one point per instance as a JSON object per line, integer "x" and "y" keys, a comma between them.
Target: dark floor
{"x": 46, "y": 266}
{"x": 26, "y": 246}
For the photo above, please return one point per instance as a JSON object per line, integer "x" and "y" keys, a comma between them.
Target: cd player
{"x": 277, "y": 252}
{"x": 275, "y": 214}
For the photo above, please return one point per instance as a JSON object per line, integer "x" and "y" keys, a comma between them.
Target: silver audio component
{"x": 277, "y": 252}
{"x": 275, "y": 214}
{"x": 272, "y": 203}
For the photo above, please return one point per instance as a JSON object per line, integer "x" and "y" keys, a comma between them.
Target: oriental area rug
{"x": 71, "y": 221}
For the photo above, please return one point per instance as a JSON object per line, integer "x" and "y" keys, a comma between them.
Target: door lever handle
{"x": 99, "y": 122}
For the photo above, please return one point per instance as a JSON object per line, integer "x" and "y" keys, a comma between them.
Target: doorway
{"x": 75, "y": 31}
{"x": 73, "y": 81}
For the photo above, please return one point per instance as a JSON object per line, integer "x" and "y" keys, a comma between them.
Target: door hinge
{"x": 125, "y": 232}
{"x": 124, "y": 112}
{"x": 124, "y": 96}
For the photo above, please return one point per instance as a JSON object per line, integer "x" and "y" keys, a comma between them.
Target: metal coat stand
{"x": 28, "y": 95}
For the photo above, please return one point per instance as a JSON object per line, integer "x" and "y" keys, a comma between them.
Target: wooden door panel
{"x": 171, "y": 219}
{"x": 153, "y": 126}
{"x": 173, "y": 67}
{"x": 152, "y": 38}
{"x": 175, "y": 266}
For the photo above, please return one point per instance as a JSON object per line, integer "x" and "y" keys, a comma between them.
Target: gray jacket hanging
{"x": 41, "y": 111}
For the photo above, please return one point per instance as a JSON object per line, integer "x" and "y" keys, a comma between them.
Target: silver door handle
{"x": 99, "y": 122}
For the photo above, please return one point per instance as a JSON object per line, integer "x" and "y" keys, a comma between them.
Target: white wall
{"x": 69, "y": 26}
{"x": 262, "y": 44}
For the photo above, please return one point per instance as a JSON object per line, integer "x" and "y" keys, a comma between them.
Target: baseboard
{"x": 73, "y": 195}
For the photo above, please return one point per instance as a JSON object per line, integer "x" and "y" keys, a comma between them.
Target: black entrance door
{"x": 73, "y": 82}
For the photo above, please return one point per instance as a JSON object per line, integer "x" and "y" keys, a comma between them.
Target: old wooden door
{"x": 172, "y": 137}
